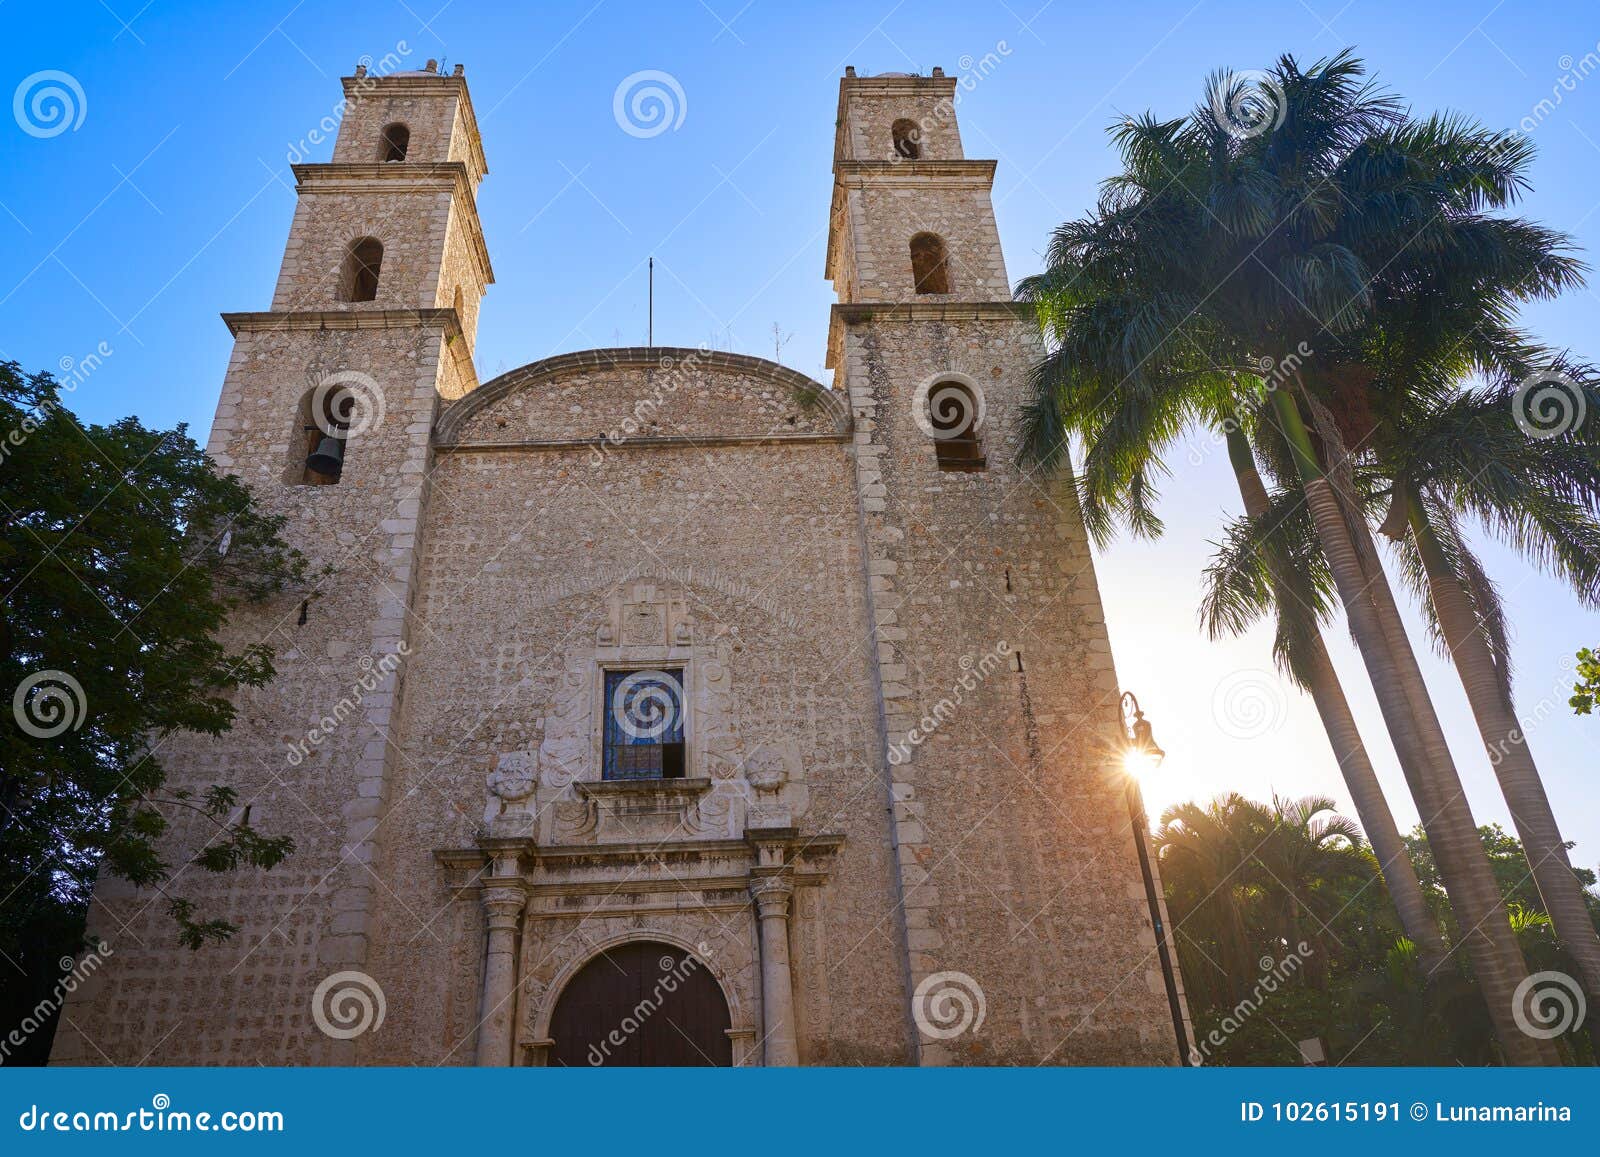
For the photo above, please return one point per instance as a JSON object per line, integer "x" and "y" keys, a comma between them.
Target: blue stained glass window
{"x": 644, "y": 725}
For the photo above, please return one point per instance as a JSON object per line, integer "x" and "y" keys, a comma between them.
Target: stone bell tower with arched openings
{"x": 1017, "y": 865}
{"x": 369, "y": 334}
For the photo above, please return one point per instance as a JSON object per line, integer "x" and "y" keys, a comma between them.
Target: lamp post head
{"x": 1142, "y": 751}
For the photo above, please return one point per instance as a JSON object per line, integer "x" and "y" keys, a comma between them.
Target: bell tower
{"x": 326, "y": 412}
{"x": 1018, "y": 872}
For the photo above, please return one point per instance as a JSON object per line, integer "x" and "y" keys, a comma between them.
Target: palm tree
{"x": 1313, "y": 857}
{"x": 1466, "y": 455}
{"x": 1207, "y": 849}
{"x": 1214, "y": 250}
{"x": 1461, "y": 454}
{"x": 1258, "y": 574}
{"x": 1250, "y": 883}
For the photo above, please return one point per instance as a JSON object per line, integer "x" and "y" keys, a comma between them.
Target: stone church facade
{"x": 786, "y": 707}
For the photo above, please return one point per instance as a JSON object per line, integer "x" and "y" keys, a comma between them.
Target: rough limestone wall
{"x": 463, "y": 137}
{"x": 589, "y": 396}
{"x": 1016, "y": 852}
{"x": 888, "y": 209}
{"x": 430, "y": 118}
{"x": 248, "y": 1000}
{"x": 460, "y": 268}
{"x": 872, "y": 117}
{"x": 411, "y": 221}
{"x": 523, "y": 552}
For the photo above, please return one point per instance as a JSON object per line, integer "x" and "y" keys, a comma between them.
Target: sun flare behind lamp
{"x": 1140, "y": 756}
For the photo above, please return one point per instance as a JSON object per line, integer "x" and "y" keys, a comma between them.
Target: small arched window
{"x": 953, "y": 414}
{"x": 324, "y": 425}
{"x": 460, "y": 304}
{"x": 930, "y": 271}
{"x": 393, "y": 142}
{"x": 359, "y": 280}
{"x": 907, "y": 138}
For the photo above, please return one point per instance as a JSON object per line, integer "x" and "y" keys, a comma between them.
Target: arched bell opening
{"x": 324, "y": 429}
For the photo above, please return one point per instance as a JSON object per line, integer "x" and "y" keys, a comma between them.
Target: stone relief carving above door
{"x": 647, "y": 624}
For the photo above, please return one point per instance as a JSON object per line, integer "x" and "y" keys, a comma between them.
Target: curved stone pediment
{"x": 642, "y": 395}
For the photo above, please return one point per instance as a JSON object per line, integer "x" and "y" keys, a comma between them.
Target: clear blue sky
{"x": 171, "y": 200}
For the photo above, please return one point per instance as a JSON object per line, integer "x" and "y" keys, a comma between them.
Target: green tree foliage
{"x": 122, "y": 552}
{"x": 1284, "y": 932}
{"x": 1587, "y": 689}
{"x": 1510, "y": 867}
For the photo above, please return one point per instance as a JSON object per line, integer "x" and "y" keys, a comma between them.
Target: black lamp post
{"x": 1141, "y": 749}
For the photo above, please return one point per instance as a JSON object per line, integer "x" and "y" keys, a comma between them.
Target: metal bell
{"x": 328, "y": 457}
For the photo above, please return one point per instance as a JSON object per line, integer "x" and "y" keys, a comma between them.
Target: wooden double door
{"x": 641, "y": 1003}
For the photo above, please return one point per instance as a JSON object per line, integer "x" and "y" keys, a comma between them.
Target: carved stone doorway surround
{"x": 548, "y": 910}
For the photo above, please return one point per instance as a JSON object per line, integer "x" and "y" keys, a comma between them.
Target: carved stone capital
{"x": 772, "y": 895}
{"x": 503, "y": 904}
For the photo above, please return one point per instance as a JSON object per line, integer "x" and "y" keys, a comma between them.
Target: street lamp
{"x": 1141, "y": 755}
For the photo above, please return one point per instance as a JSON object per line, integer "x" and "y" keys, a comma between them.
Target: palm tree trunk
{"x": 1452, "y": 834}
{"x": 1322, "y": 681}
{"x": 1559, "y": 889}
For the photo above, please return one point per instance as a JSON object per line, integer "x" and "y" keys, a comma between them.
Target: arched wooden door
{"x": 641, "y": 1003}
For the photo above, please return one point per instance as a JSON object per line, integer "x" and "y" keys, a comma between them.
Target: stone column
{"x": 503, "y": 900}
{"x": 777, "y": 983}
